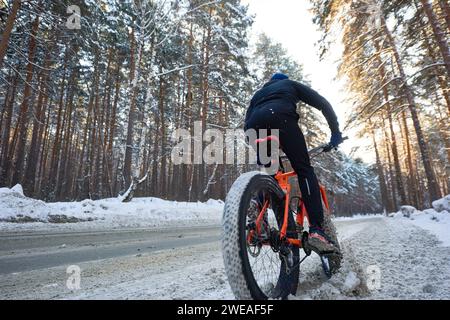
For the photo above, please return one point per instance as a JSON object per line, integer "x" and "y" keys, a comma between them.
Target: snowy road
{"x": 36, "y": 250}
{"x": 187, "y": 264}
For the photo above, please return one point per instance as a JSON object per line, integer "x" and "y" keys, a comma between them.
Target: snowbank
{"x": 436, "y": 220}
{"x": 20, "y": 212}
{"x": 359, "y": 217}
{"x": 442, "y": 204}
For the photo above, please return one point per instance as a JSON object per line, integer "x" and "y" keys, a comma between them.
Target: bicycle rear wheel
{"x": 255, "y": 267}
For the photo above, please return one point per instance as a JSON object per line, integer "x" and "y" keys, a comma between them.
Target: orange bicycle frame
{"x": 283, "y": 182}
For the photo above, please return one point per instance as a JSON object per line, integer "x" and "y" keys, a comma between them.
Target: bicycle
{"x": 262, "y": 221}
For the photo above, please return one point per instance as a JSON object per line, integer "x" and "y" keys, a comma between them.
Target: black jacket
{"x": 284, "y": 96}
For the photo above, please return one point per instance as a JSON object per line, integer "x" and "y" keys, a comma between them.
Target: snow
{"x": 410, "y": 248}
{"x": 408, "y": 210}
{"x": 409, "y": 263}
{"x": 105, "y": 213}
{"x": 359, "y": 217}
{"x": 17, "y": 188}
{"x": 442, "y": 204}
{"x": 436, "y": 220}
{"x": 438, "y": 223}
{"x": 351, "y": 281}
{"x": 411, "y": 266}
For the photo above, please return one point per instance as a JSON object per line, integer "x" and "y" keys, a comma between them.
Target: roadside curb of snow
{"x": 20, "y": 212}
{"x": 435, "y": 220}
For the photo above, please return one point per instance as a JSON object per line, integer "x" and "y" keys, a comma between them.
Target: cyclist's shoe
{"x": 319, "y": 242}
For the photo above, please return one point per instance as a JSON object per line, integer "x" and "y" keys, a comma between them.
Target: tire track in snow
{"x": 412, "y": 263}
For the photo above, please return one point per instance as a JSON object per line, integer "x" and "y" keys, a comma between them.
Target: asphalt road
{"x": 186, "y": 263}
{"x": 26, "y": 251}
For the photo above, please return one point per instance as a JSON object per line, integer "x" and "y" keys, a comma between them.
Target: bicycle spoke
{"x": 266, "y": 264}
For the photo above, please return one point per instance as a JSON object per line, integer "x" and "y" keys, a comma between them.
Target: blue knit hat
{"x": 279, "y": 76}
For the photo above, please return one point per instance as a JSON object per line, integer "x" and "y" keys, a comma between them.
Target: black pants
{"x": 294, "y": 146}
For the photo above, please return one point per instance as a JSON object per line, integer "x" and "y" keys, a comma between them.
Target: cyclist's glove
{"x": 336, "y": 139}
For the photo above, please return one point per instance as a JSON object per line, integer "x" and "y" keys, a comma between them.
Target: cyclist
{"x": 274, "y": 107}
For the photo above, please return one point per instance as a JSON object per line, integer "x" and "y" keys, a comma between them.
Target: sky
{"x": 289, "y": 22}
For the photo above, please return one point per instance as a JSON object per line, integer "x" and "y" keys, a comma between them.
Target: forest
{"x": 91, "y": 92}
{"x": 396, "y": 63}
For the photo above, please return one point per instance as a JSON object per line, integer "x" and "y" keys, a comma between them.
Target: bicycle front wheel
{"x": 255, "y": 266}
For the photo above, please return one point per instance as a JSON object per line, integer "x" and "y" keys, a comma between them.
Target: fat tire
{"x": 334, "y": 259}
{"x": 234, "y": 245}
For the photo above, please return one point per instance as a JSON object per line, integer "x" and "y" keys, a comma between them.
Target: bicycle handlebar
{"x": 318, "y": 150}
{"x": 323, "y": 149}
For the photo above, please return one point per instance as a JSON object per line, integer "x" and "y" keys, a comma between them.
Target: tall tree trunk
{"x": 445, "y": 93}
{"x": 6, "y": 33}
{"x": 445, "y": 7}
{"x": 412, "y": 175}
{"x": 439, "y": 35}
{"x": 43, "y": 141}
{"x": 383, "y": 187}
{"x": 106, "y": 115}
{"x": 93, "y": 178}
{"x": 63, "y": 170}
{"x": 433, "y": 187}
{"x": 162, "y": 115}
{"x": 7, "y": 98}
{"x": 398, "y": 171}
{"x": 83, "y": 166}
{"x": 32, "y": 163}
{"x": 56, "y": 146}
{"x": 390, "y": 165}
{"x": 22, "y": 122}
{"x": 5, "y": 159}
{"x": 205, "y": 101}
{"x": 112, "y": 127}
{"x": 190, "y": 114}
{"x": 155, "y": 152}
{"x": 441, "y": 78}
{"x": 134, "y": 79}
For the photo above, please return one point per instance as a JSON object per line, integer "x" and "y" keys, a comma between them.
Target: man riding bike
{"x": 274, "y": 107}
